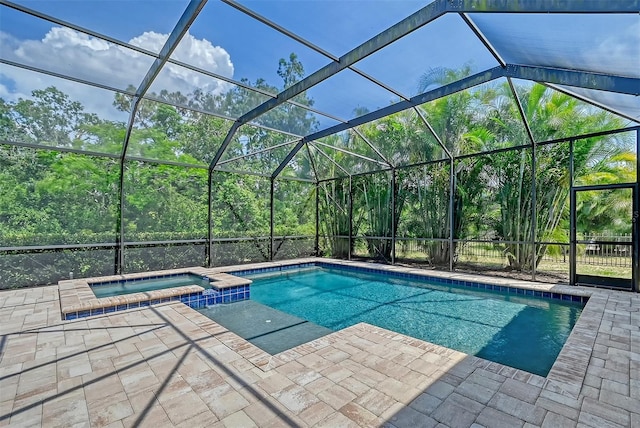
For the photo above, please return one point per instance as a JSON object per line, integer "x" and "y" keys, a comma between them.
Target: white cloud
{"x": 68, "y": 52}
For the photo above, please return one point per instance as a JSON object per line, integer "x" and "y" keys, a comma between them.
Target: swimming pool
{"x": 519, "y": 331}
{"x": 137, "y": 285}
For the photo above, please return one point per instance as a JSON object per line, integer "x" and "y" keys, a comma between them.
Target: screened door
{"x": 603, "y": 231}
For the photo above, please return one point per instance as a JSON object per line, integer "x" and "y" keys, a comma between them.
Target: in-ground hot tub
{"x": 196, "y": 287}
{"x": 139, "y": 285}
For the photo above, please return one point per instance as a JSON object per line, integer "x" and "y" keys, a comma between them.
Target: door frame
{"x": 598, "y": 281}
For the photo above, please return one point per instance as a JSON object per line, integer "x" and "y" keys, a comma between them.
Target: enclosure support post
{"x": 181, "y": 28}
{"x": 209, "y": 249}
{"x": 534, "y": 221}
{"x": 119, "y": 262}
{"x": 635, "y": 237}
{"x": 317, "y": 243}
{"x": 350, "y": 217}
{"x": 572, "y": 221}
{"x": 452, "y": 188}
{"x": 393, "y": 216}
{"x": 271, "y": 220}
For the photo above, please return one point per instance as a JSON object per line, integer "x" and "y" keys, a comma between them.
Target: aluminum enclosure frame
{"x": 431, "y": 12}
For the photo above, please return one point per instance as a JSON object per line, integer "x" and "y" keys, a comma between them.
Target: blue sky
{"x": 230, "y": 43}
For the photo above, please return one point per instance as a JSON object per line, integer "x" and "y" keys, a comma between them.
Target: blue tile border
{"x": 426, "y": 278}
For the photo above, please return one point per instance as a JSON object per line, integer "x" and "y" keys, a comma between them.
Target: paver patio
{"x": 168, "y": 365}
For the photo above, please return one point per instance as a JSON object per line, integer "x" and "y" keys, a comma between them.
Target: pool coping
{"x": 77, "y": 299}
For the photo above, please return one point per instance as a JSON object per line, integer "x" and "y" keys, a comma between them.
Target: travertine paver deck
{"x": 167, "y": 365}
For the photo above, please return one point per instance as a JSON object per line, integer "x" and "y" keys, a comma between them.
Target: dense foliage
{"x": 493, "y": 192}
{"x": 53, "y": 197}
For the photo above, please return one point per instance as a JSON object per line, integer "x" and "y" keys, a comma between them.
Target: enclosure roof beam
{"x": 480, "y": 35}
{"x": 543, "y": 6}
{"x": 191, "y": 12}
{"x": 420, "y": 18}
{"x": 374, "y": 148}
{"x": 151, "y": 98}
{"x": 594, "y": 103}
{"x": 257, "y": 152}
{"x": 123, "y": 44}
{"x": 451, "y": 88}
{"x": 154, "y": 55}
{"x": 151, "y": 54}
{"x": 584, "y": 79}
{"x": 302, "y": 142}
{"x": 581, "y": 79}
{"x": 182, "y": 26}
{"x": 64, "y": 76}
{"x": 350, "y": 153}
{"x": 311, "y": 46}
{"x": 288, "y": 158}
{"x": 411, "y": 23}
{"x": 59, "y": 149}
{"x": 312, "y": 162}
{"x": 279, "y": 28}
{"x": 433, "y": 131}
{"x": 523, "y": 115}
{"x": 316, "y": 111}
{"x": 330, "y": 160}
{"x": 78, "y": 28}
{"x": 223, "y": 146}
{"x": 269, "y": 128}
{"x": 379, "y": 83}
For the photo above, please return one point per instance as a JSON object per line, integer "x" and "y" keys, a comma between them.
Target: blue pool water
{"x": 522, "y": 332}
{"x": 128, "y": 286}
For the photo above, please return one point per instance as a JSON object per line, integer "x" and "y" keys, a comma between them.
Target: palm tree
{"x": 550, "y": 115}
{"x": 607, "y": 212}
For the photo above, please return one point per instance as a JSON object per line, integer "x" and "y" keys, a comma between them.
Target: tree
{"x": 607, "y": 213}
{"x": 426, "y": 209}
{"x": 333, "y": 209}
{"x": 454, "y": 120}
{"x": 375, "y": 193}
{"x": 50, "y": 117}
{"x": 509, "y": 174}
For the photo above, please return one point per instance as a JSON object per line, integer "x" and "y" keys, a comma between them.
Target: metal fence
{"x": 592, "y": 253}
{"x": 433, "y": 251}
{"x": 597, "y": 253}
{"x": 27, "y": 266}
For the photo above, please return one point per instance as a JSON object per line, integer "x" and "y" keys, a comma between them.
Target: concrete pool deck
{"x": 168, "y": 365}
